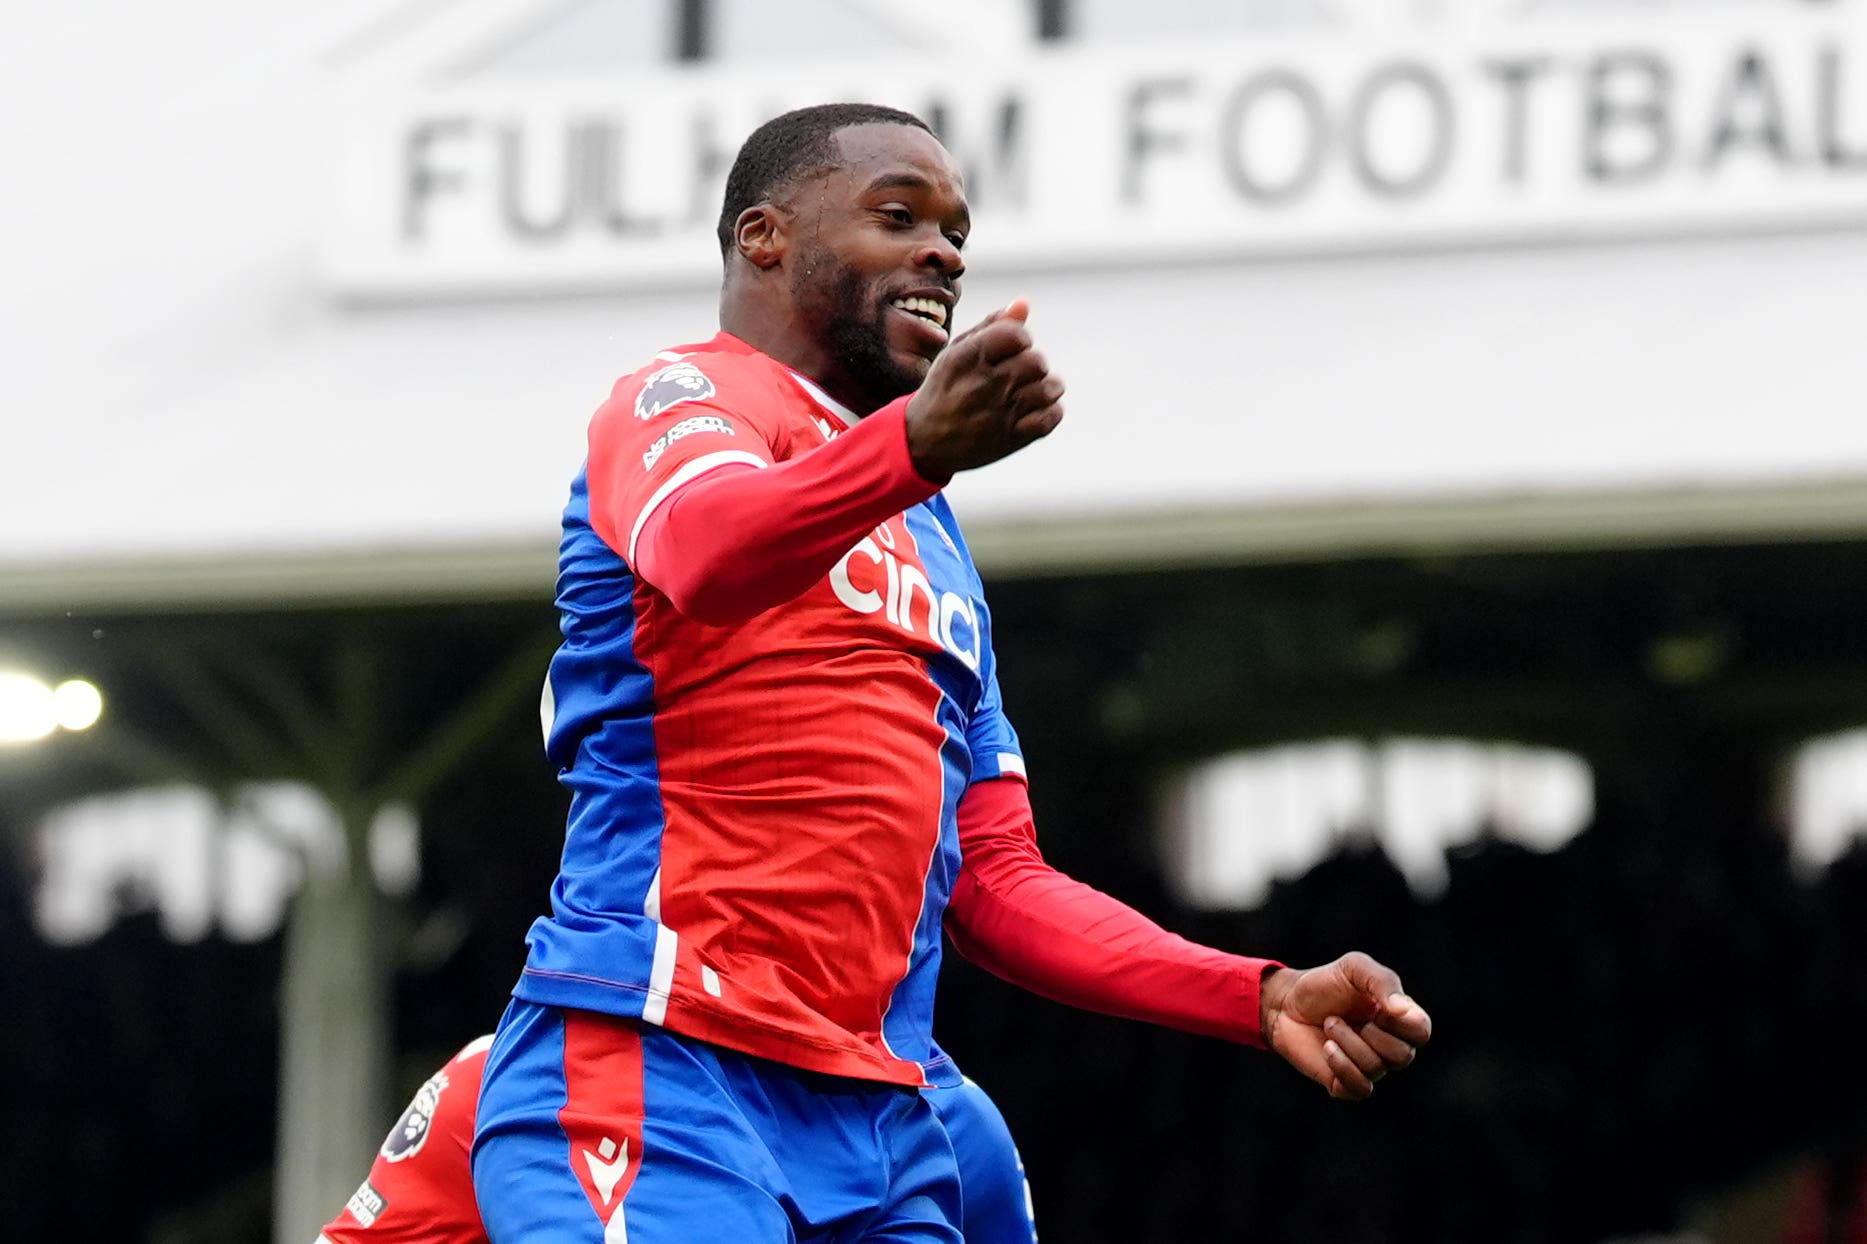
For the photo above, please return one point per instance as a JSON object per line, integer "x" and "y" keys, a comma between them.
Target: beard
{"x": 853, "y": 326}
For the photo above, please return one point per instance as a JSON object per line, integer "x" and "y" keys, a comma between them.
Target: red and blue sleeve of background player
{"x": 421, "y": 1192}
{"x": 742, "y": 539}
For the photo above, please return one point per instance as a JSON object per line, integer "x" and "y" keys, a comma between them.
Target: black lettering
{"x": 1380, "y": 84}
{"x": 1752, "y": 90}
{"x": 1830, "y": 108}
{"x": 421, "y": 180}
{"x": 712, "y": 160}
{"x": 1612, "y": 112}
{"x": 1244, "y": 178}
{"x": 1141, "y": 140}
{"x": 600, "y": 169}
{"x": 999, "y": 175}
{"x": 1517, "y": 77}
{"x": 512, "y": 155}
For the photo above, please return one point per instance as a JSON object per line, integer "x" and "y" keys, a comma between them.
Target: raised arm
{"x": 728, "y": 544}
{"x": 740, "y": 540}
{"x": 1344, "y": 1025}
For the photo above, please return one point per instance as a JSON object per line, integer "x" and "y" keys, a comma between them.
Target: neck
{"x": 775, "y": 331}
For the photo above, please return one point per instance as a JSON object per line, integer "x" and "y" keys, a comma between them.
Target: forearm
{"x": 741, "y": 540}
{"x": 1020, "y": 919}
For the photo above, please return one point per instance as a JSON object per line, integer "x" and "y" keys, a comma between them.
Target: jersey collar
{"x": 817, "y": 395}
{"x": 725, "y": 342}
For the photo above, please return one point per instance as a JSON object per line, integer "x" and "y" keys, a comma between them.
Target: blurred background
{"x": 1457, "y": 550}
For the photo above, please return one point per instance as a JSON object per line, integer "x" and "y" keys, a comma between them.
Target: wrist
{"x": 921, "y": 455}
{"x": 1273, "y": 987}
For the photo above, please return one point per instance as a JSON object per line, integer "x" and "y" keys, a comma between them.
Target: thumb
{"x": 1372, "y": 980}
{"x": 1018, "y": 309}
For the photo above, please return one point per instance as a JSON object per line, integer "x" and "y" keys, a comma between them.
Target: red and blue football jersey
{"x": 762, "y": 836}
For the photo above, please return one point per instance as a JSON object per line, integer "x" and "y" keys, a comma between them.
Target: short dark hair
{"x": 789, "y": 145}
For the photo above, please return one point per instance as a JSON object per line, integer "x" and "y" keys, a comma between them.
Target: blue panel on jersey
{"x": 612, "y": 851}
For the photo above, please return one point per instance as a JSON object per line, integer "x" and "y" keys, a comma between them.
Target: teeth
{"x": 927, "y": 308}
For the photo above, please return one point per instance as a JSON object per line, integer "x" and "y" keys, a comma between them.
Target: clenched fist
{"x": 1344, "y": 1025}
{"x": 988, "y": 395}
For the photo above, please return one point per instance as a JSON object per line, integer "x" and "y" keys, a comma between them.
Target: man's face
{"x": 874, "y": 272}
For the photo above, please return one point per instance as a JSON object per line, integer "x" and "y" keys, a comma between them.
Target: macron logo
{"x": 607, "y": 1170}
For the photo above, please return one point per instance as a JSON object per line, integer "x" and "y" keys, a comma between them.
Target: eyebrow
{"x": 914, "y": 181}
{"x": 891, "y": 181}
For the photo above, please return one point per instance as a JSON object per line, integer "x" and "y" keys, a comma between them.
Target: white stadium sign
{"x": 1083, "y": 157}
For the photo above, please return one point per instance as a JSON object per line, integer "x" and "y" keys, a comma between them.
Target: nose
{"x": 940, "y": 255}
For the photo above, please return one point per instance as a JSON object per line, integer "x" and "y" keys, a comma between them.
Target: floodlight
{"x": 28, "y": 712}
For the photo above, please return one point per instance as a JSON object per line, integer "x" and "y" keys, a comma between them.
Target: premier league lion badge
{"x": 411, "y": 1130}
{"x": 672, "y": 385}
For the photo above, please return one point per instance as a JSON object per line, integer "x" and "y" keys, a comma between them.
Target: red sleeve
{"x": 739, "y": 540}
{"x": 420, "y": 1187}
{"x": 662, "y": 429}
{"x": 1021, "y": 919}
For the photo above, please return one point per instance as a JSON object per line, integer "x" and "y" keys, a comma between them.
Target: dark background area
{"x": 1630, "y": 1030}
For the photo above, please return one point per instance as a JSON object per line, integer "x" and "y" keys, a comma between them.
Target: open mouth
{"x": 928, "y": 310}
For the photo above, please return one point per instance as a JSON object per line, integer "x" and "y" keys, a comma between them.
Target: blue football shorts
{"x": 596, "y": 1128}
{"x": 995, "y": 1200}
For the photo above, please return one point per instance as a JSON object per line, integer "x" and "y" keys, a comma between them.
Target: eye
{"x": 898, "y": 215}
{"x": 958, "y": 240}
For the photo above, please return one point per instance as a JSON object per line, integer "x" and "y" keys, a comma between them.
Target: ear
{"x": 759, "y": 235}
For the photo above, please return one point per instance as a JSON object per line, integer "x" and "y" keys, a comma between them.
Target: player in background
{"x": 777, "y": 711}
{"x": 420, "y": 1187}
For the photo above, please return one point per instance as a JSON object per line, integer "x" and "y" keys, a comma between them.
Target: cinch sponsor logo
{"x": 686, "y": 427}
{"x": 366, "y": 1204}
{"x": 871, "y": 579}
